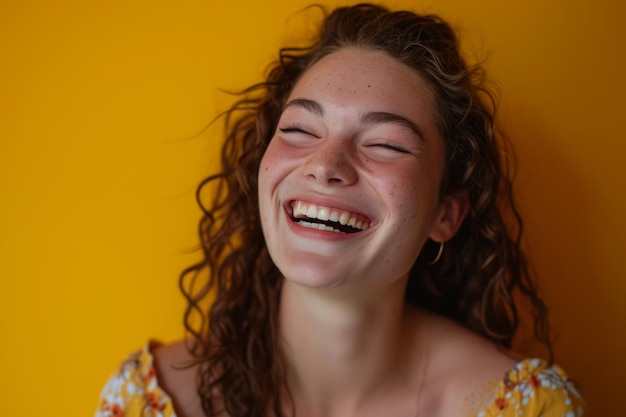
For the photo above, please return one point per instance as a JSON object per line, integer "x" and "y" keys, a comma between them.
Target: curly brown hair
{"x": 476, "y": 281}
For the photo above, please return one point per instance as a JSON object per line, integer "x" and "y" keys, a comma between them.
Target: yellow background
{"x": 97, "y": 211}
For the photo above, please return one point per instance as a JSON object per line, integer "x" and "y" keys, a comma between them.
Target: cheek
{"x": 401, "y": 186}
{"x": 266, "y": 159}
{"x": 265, "y": 185}
{"x": 278, "y": 162}
{"x": 266, "y": 166}
{"x": 413, "y": 196}
{"x": 263, "y": 173}
{"x": 274, "y": 169}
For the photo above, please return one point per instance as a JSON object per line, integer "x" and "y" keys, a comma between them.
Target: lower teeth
{"x": 319, "y": 226}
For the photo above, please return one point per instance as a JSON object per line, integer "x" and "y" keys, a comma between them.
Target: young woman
{"x": 356, "y": 249}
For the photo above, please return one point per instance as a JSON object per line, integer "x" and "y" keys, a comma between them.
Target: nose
{"x": 332, "y": 162}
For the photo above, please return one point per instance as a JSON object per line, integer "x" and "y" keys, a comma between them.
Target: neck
{"x": 342, "y": 350}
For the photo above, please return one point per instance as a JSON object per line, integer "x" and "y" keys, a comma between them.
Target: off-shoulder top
{"x": 532, "y": 388}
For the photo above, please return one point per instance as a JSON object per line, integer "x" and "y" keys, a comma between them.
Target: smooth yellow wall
{"x": 97, "y": 210}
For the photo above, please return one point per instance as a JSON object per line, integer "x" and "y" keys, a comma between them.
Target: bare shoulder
{"x": 172, "y": 353}
{"x": 177, "y": 377}
{"x": 464, "y": 367}
{"x": 466, "y": 353}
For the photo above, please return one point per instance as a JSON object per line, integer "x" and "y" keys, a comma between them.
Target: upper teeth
{"x": 302, "y": 210}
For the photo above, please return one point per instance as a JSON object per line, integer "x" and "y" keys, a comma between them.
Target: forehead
{"x": 367, "y": 79}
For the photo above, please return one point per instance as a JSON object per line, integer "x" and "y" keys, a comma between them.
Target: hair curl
{"x": 235, "y": 342}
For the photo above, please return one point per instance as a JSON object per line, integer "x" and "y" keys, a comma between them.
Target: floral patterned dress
{"x": 531, "y": 389}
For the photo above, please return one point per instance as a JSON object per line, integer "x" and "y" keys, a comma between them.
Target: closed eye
{"x": 387, "y": 145}
{"x": 295, "y": 128}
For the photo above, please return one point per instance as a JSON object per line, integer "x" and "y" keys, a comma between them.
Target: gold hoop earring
{"x": 438, "y": 257}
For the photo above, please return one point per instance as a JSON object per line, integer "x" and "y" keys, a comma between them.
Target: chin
{"x": 313, "y": 276}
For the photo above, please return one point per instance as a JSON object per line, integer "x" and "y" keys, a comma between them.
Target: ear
{"x": 450, "y": 216}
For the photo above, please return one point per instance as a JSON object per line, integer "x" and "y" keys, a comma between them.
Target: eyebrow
{"x": 370, "y": 117}
{"x": 385, "y": 117}
{"x": 307, "y": 104}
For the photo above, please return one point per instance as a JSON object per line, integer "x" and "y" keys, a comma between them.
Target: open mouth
{"x": 327, "y": 218}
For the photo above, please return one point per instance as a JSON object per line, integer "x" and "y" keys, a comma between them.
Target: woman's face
{"x": 349, "y": 184}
